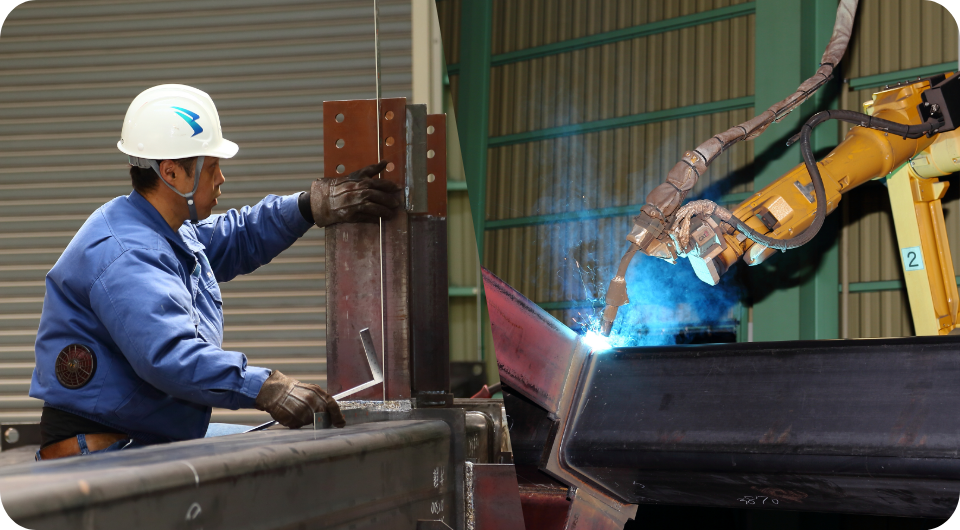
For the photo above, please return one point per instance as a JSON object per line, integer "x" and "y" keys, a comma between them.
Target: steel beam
{"x": 429, "y": 292}
{"x": 379, "y": 475}
{"x": 358, "y": 253}
{"x": 494, "y": 497}
{"x": 866, "y": 426}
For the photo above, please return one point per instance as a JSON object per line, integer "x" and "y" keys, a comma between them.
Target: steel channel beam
{"x": 429, "y": 296}
{"x": 867, "y": 426}
{"x": 378, "y": 475}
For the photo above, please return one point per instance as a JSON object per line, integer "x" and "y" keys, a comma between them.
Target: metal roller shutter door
{"x": 69, "y": 70}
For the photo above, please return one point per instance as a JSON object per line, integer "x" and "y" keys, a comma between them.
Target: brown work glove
{"x": 293, "y": 403}
{"x": 356, "y": 198}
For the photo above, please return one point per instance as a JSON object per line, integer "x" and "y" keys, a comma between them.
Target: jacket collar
{"x": 185, "y": 238}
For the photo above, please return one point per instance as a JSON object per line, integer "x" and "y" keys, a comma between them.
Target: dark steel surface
{"x": 865, "y": 426}
{"x": 429, "y": 296}
{"x": 480, "y": 438}
{"x": 453, "y": 473}
{"x": 493, "y": 410}
{"x": 530, "y": 428}
{"x": 363, "y": 476}
{"x": 354, "y": 259}
{"x": 429, "y": 317}
{"x": 496, "y": 498}
{"x": 534, "y": 350}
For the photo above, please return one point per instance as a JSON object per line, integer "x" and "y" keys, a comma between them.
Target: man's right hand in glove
{"x": 359, "y": 197}
{"x": 293, "y": 403}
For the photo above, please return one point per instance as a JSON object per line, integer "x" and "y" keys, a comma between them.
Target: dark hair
{"x": 146, "y": 179}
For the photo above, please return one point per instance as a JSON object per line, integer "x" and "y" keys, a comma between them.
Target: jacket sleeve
{"x": 145, "y": 306}
{"x": 240, "y": 241}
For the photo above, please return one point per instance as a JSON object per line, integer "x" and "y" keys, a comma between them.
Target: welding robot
{"x": 906, "y": 135}
{"x": 856, "y": 427}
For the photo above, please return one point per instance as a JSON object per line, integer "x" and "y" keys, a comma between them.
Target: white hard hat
{"x": 170, "y": 122}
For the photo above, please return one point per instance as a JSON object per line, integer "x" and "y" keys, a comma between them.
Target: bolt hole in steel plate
{"x": 431, "y": 153}
{"x": 431, "y": 177}
{"x": 388, "y": 115}
{"x": 390, "y": 166}
{"x": 340, "y": 118}
{"x": 75, "y": 366}
{"x": 341, "y": 168}
{"x": 341, "y": 143}
{"x": 389, "y": 141}
{"x": 11, "y": 435}
{"x": 430, "y": 129}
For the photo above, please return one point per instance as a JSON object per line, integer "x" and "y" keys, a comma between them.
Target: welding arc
{"x": 856, "y": 118}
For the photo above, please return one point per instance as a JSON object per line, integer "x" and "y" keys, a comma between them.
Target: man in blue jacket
{"x": 129, "y": 345}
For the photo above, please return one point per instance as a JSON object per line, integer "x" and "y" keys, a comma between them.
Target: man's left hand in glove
{"x": 359, "y": 197}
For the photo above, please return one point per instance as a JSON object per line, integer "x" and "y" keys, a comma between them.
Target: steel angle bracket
{"x": 544, "y": 360}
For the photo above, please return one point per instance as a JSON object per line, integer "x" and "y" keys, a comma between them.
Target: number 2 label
{"x": 912, "y": 259}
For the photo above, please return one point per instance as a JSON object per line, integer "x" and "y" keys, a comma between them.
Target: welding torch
{"x": 617, "y": 292}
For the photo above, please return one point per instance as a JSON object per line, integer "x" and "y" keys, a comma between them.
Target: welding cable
{"x": 664, "y": 200}
{"x": 681, "y": 226}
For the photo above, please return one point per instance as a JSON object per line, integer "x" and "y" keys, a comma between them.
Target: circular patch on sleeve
{"x": 75, "y": 366}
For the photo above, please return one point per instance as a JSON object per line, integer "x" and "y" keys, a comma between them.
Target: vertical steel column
{"x": 353, "y": 252}
{"x": 429, "y": 299}
{"x": 473, "y": 107}
{"x": 473, "y": 115}
{"x": 795, "y": 295}
{"x": 819, "y": 301}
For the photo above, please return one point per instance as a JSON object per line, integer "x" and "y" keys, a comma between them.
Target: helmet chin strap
{"x": 147, "y": 163}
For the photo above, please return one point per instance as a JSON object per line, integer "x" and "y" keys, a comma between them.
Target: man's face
{"x": 210, "y": 180}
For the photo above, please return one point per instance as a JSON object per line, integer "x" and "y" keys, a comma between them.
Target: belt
{"x": 71, "y": 446}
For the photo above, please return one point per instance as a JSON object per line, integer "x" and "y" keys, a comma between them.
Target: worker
{"x": 129, "y": 348}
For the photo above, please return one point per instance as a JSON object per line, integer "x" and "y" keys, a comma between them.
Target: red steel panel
{"x": 496, "y": 498}
{"x": 534, "y": 350}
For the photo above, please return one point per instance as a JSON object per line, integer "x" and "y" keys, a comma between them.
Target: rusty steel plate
{"x": 534, "y": 350}
{"x": 353, "y": 253}
{"x": 437, "y": 165}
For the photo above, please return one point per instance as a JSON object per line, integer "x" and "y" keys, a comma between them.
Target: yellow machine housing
{"x": 912, "y": 166}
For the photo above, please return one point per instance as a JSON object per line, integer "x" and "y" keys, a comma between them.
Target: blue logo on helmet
{"x": 191, "y": 119}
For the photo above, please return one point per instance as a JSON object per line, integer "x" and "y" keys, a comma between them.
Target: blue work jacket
{"x": 146, "y": 301}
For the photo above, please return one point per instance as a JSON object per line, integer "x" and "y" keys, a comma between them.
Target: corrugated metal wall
{"x": 890, "y": 35}
{"x": 609, "y": 168}
{"x": 70, "y": 68}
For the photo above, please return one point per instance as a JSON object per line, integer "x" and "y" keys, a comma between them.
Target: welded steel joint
{"x": 544, "y": 360}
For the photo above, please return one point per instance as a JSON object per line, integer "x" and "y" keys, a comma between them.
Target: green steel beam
{"x": 778, "y": 67}
{"x": 633, "y": 32}
{"x": 456, "y": 185}
{"x": 873, "y": 287}
{"x": 890, "y": 78}
{"x": 473, "y": 107}
{"x": 582, "y": 215}
{"x": 623, "y": 121}
{"x": 460, "y": 291}
{"x": 819, "y": 303}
